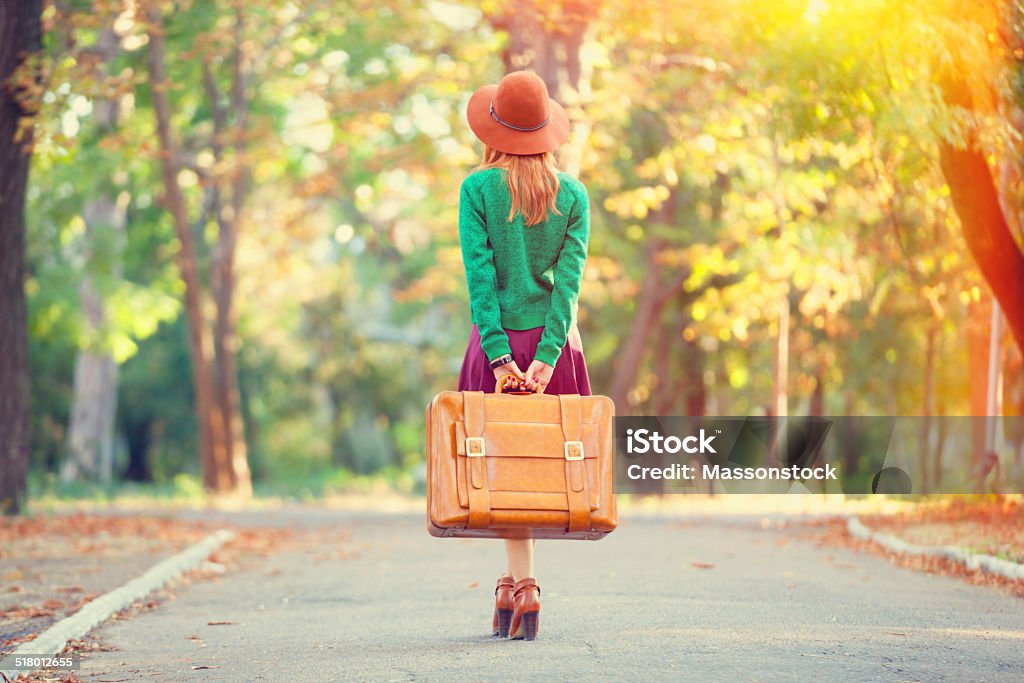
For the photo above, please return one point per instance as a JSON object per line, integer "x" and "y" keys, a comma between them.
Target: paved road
{"x": 635, "y": 606}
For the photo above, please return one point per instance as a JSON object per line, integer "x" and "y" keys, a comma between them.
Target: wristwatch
{"x": 501, "y": 360}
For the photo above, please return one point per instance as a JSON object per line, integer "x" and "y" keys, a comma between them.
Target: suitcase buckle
{"x": 478, "y": 441}
{"x": 573, "y": 450}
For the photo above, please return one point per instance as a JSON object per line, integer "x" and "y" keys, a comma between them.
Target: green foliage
{"x": 750, "y": 153}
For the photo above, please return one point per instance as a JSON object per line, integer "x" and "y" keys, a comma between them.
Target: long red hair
{"x": 532, "y": 180}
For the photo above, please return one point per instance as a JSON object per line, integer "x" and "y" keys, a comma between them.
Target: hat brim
{"x": 505, "y": 139}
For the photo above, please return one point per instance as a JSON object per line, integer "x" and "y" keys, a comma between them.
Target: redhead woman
{"x": 524, "y": 227}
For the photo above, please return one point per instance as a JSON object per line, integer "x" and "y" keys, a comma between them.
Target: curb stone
{"x": 974, "y": 561}
{"x": 52, "y": 640}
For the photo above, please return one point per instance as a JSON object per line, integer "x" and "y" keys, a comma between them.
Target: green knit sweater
{"x": 520, "y": 276}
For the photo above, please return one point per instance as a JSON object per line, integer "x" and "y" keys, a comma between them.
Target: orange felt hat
{"x": 517, "y": 116}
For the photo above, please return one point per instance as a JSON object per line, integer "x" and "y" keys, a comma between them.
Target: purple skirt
{"x": 570, "y": 375}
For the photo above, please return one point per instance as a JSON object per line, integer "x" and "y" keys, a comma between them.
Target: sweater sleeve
{"x": 568, "y": 272}
{"x": 481, "y": 277}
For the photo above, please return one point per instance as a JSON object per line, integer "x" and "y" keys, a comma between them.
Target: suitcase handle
{"x": 510, "y": 385}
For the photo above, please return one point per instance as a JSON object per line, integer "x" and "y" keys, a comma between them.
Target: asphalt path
{"x": 701, "y": 598}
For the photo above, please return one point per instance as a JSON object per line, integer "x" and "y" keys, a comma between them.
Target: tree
{"x": 20, "y": 34}
{"x": 547, "y": 38}
{"x": 223, "y": 454}
{"x": 90, "y": 442}
{"x": 976, "y": 198}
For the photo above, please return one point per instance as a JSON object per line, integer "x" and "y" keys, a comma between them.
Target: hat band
{"x": 523, "y": 129}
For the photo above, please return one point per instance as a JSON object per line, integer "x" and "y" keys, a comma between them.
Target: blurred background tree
{"x": 242, "y": 246}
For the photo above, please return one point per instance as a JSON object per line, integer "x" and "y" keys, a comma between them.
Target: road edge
{"x": 52, "y": 640}
{"x": 973, "y": 561}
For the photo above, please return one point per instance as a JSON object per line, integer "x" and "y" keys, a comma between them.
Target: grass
{"x": 47, "y": 494}
{"x": 46, "y": 490}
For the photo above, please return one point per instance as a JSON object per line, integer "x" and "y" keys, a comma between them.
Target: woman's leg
{"x": 520, "y": 557}
{"x": 526, "y": 592}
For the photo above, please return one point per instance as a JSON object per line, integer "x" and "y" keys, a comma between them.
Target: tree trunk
{"x": 928, "y": 406}
{"x": 817, "y": 403}
{"x": 780, "y": 362}
{"x": 683, "y": 360}
{"x": 940, "y": 444}
{"x": 90, "y": 450}
{"x": 631, "y": 355}
{"x": 90, "y": 447}
{"x": 20, "y": 34}
{"x": 985, "y": 228}
{"x": 214, "y": 457}
{"x": 780, "y": 381}
{"x": 222, "y": 267}
{"x": 666, "y": 393}
{"x": 138, "y": 434}
{"x": 694, "y": 390}
{"x": 228, "y": 328}
{"x": 978, "y": 317}
{"x": 547, "y": 38}
{"x": 1013, "y": 402}
{"x": 341, "y": 453}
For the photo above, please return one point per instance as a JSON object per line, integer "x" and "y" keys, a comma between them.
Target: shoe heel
{"x": 504, "y": 622}
{"x": 529, "y": 625}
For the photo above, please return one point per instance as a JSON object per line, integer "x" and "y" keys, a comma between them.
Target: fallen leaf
{"x": 473, "y": 584}
{"x": 703, "y": 565}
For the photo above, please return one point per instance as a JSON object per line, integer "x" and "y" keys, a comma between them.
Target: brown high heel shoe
{"x": 502, "y": 606}
{"x": 526, "y": 609}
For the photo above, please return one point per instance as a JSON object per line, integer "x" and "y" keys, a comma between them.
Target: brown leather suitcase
{"x": 507, "y": 466}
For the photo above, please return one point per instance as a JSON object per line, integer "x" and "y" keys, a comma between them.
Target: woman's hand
{"x": 510, "y": 368}
{"x": 538, "y": 376}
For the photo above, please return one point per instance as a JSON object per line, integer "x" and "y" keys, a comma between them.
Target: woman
{"x": 524, "y": 228}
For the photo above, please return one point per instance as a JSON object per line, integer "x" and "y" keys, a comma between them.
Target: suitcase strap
{"x": 575, "y": 472}
{"x": 479, "y": 493}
